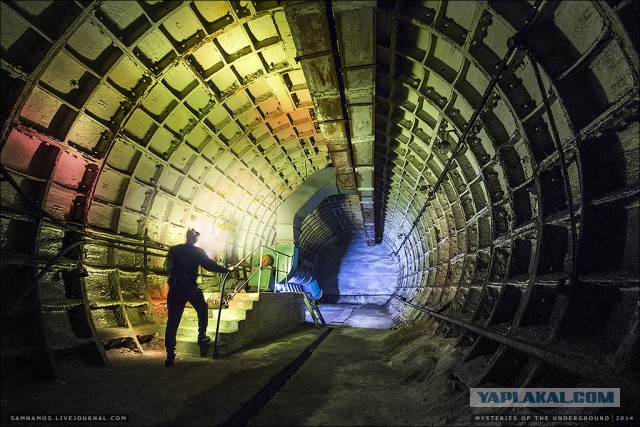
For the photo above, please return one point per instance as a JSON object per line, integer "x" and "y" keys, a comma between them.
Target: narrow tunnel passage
{"x": 469, "y": 167}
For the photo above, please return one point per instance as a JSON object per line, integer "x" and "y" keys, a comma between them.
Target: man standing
{"x": 183, "y": 261}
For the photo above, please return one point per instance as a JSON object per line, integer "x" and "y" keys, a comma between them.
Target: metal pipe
{"x": 379, "y": 196}
{"x": 140, "y": 244}
{"x": 58, "y": 222}
{"x": 333, "y": 37}
{"x": 24, "y": 195}
{"x": 579, "y": 368}
{"x": 511, "y": 47}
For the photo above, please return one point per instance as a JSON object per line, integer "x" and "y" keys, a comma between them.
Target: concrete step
{"x": 241, "y": 296}
{"x": 275, "y": 311}
{"x": 187, "y": 335}
{"x": 225, "y": 325}
{"x": 246, "y": 305}
{"x": 192, "y": 348}
{"x": 227, "y": 313}
{"x": 247, "y": 296}
{"x": 240, "y": 300}
{"x": 187, "y": 341}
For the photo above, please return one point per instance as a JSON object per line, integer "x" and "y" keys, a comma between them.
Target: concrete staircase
{"x": 250, "y": 318}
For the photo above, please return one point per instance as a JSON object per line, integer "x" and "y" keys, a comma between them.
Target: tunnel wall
{"x": 495, "y": 246}
{"x": 125, "y": 125}
{"x": 350, "y": 271}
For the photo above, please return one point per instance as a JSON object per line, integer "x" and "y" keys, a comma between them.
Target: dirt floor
{"x": 363, "y": 373}
{"x": 195, "y": 391}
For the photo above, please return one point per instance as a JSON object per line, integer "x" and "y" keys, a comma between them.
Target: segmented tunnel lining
{"x": 254, "y": 405}
{"x": 220, "y": 147}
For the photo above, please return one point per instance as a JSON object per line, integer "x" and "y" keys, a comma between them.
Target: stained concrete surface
{"x": 346, "y": 381}
{"x": 195, "y": 391}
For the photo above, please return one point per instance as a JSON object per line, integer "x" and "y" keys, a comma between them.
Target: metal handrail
{"x": 261, "y": 247}
{"x": 237, "y": 288}
{"x": 215, "y": 342}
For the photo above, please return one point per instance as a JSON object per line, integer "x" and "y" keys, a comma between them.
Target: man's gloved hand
{"x": 230, "y": 269}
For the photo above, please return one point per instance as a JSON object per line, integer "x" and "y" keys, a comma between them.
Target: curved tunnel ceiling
{"x": 122, "y": 117}
{"x": 169, "y": 115}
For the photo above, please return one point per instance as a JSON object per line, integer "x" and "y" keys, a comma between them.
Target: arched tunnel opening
{"x": 468, "y": 169}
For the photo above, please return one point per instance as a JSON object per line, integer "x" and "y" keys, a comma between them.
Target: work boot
{"x": 171, "y": 358}
{"x": 203, "y": 339}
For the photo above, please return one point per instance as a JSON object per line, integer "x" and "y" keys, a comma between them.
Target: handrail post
{"x": 286, "y": 277}
{"x": 215, "y": 343}
{"x": 260, "y": 268}
{"x": 277, "y": 270}
{"x": 145, "y": 261}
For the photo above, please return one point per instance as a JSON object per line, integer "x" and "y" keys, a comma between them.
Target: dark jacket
{"x": 183, "y": 261}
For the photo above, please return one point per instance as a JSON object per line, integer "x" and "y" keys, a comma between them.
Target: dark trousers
{"x": 176, "y": 300}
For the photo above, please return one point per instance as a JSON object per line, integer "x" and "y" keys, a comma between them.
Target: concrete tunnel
{"x": 469, "y": 167}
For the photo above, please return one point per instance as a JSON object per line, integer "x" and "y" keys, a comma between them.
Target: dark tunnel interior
{"x": 472, "y": 166}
